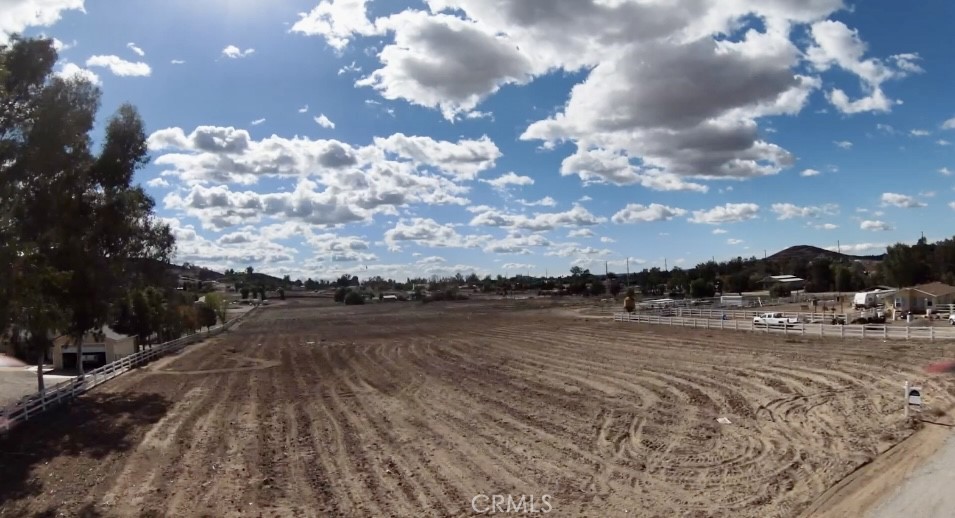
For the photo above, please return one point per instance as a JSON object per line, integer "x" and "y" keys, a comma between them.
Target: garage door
{"x": 90, "y": 360}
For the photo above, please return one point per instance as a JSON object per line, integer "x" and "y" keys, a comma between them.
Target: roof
{"x": 89, "y": 338}
{"x": 935, "y": 289}
{"x": 782, "y": 278}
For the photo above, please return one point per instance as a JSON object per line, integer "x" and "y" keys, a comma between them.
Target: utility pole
{"x": 628, "y": 273}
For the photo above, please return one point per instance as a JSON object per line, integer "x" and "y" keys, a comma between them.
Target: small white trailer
{"x": 864, "y": 299}
{"x": 731, "y": 301}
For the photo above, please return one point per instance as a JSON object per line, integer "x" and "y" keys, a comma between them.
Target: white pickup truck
{"x": 774, "y": 319}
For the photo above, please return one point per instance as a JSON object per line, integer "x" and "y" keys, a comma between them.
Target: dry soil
{"x": 405, "y": 409}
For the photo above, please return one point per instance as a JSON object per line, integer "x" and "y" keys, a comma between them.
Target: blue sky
{"x": 501, "y": 136}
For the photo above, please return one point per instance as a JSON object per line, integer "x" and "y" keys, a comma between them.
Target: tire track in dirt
{"x": 153, "y": 461}
{"x": 417, "y": 483}
{"x": 363, "y": 450}
{"x": 409, "y": 409}
{"x": 351, "y": 496}
{"x": 419, "y": 421}
{"x": 816, "y": 377}
{"x": 206, "y": 455}
{"x": 467, "y": 424}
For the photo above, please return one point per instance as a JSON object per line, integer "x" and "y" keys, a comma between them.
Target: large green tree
{"x": 76, "y": 211}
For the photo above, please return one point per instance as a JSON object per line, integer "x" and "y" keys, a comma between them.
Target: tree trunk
{"x": 79, "y": 356}
{"x": 39, "y": 371}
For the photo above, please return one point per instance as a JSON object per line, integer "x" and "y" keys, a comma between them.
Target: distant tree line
{"x": 901, "y": 265}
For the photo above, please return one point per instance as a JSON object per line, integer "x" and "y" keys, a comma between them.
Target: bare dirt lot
{"x": 308, "y": 409}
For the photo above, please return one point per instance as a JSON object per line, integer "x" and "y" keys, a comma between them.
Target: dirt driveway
{"x": 411, "y": 410}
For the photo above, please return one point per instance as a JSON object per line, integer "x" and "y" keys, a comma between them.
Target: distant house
{"x": 790, "y": 281}
{"x": 99, "y": 348}
{"x": 918, "y": 299}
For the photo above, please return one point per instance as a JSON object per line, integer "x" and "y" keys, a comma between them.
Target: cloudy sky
{"x": 502, "y": 136}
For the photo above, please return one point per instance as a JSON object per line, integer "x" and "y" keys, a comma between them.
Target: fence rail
{"x": 742, "y": 314}
{"x": 35, "y": 404}
{"x": 803, "y": 316}
{"x": 805, "y": 329}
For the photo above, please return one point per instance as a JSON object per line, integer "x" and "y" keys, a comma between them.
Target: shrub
{"x": 354, "y": 298}
{"x": 780, "y": 290}
{"x": 340, "y": 294}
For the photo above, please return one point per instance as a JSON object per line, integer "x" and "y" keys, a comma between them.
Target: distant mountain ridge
{"x": 809, "y": 252}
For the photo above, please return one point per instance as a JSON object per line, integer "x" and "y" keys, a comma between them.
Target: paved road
{"x": 929, "y": 492}
{"x": 16, "y": 382}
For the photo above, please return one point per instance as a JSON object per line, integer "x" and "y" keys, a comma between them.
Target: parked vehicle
{"x": 774, "y": 319}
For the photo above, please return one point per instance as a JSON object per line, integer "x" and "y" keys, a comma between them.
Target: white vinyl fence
{"x": 886, "y": 332}
{"x": 741, "y": 314}
{"x": 34, "y": 405}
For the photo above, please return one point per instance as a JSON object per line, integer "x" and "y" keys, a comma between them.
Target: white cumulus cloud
{"x": 324, "y": 121}
{"x": 71, "y": 70}
{"x": 133, "y": 47}
{"x": 119, "y": 66}
{"x": 728, "y": 213}
{"x": 233, "y": 52}
{"x": 901, "y": 200}
{"x": 790, "y": 211}
{"x": 636, "y": 213}
{"x": 510, "y": 178}
{"x": 21, "y": 14}
{"x": 875, "y": 225}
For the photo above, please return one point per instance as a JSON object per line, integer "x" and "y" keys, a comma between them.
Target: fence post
{"x": 907, "y": 332}
{"x": 842, "y": 331}
{"x": 885, "y": 332}
{"x": 931, "y": 333}
{"x": 863, "y": 331}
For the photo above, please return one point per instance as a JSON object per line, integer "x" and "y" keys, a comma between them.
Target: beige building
{"x": 918, "y": 299}
{"x": 98, "y": 349}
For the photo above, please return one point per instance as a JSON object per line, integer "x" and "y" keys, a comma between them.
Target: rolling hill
{"x": 808, "y": 253}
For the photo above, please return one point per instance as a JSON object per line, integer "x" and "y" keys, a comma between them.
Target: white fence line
{"x": 803, "y": 329}
{"x": 802, "y": 316}
{"x": 732, "y": 314}
{"x": 35, "y": 404}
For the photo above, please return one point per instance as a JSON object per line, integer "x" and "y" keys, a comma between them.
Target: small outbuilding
{"x": 99, "y": 348}
{"x": 790, "y": 281}
{"x": 918, "y": 299}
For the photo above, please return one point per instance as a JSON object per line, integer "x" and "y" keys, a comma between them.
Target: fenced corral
{"x": 742, "y": 314}
{"x": 808, "y": 317}
{"x": 34, "y": 405}
{"x": 806, "y": 329}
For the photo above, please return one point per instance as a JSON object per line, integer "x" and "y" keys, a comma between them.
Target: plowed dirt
{"x": 414, "y": 410}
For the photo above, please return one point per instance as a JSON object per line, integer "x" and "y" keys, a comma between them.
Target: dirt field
{"x": 413, "y": 410}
